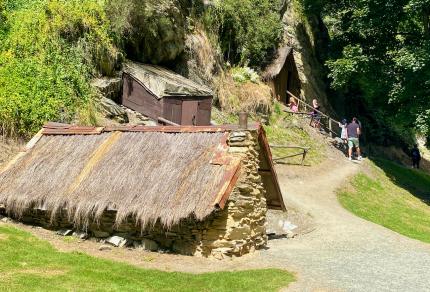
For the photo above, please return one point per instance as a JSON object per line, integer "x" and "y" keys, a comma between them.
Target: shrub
{"x": 249, "y": 30}
{"x": 49, "y": 50}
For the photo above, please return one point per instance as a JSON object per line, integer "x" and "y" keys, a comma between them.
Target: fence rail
{"x": 327, "y": 122}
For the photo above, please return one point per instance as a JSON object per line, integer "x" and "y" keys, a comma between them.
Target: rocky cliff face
{"x": 307, "y": 37}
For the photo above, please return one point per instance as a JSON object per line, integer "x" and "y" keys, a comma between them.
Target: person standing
{"x": 316, "y": 116}
{"x": 293, "y": 105}
{"x": 343, "y": 134}
{"x": 353, "y": 132}
{"x": 416, "y": 157}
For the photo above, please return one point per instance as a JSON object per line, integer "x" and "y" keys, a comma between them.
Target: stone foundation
{"x": 238, "y": 229}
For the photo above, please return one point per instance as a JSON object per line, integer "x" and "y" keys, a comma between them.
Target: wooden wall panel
{"x": 136, "y": 97}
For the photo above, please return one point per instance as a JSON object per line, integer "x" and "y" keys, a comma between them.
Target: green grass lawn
{"x": 287, "y": 129}
{"x": 30, "y": 264}
{"x": 283, "y": 129}
{"x": 392, "y": 196}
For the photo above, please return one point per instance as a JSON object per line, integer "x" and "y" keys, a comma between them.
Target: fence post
{"x": 330, "y": 128}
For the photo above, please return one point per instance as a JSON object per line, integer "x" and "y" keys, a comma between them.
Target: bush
{"x": 49, "y": 50}
{"x": 249, "y": 30}
{"x": 244, "y": 74}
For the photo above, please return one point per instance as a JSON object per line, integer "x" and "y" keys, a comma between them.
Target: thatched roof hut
{"x": 282, "y": 75}
{"x": 152, "y": 174}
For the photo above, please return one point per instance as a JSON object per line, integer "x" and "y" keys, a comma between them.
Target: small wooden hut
{"x": 191, "y": 189}
{"x": 282, "y": 75}
{"x": 157, "y": 92}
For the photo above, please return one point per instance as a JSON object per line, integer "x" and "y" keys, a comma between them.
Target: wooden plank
{"x": 189, "y": 112}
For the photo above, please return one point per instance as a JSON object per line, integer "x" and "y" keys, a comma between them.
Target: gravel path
{"x": 344, "y": 253}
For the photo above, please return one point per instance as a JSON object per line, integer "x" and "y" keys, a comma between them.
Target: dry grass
{"x": 146, "y": 176}
{"x": 248, "y": 96}
{"x": 8, "y": 148}
{"x": 204, "y": 58}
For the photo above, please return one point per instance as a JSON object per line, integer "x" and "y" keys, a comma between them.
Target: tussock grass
{"x": 243, "y": 96}
{"x": 393, "y": 196}
{"x": 29, "y": 264}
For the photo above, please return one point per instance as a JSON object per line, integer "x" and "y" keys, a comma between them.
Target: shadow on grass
{"x": 417, "y": 182}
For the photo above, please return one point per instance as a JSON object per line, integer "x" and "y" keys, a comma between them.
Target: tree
{"x": 380, "y": 51}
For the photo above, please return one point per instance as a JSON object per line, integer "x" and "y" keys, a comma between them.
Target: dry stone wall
{"x": 237, "y": 229}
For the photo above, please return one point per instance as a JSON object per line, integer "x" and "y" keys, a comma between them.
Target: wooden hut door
{"x": 189, "y": 112}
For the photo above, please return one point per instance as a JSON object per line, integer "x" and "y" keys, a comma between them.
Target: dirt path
{"x": 344, "y": 253}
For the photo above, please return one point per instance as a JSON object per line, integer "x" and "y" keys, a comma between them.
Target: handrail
{"x": 330, "y": 119}
{"x": 310, "y": 106}
{"x": 290, "y": 147}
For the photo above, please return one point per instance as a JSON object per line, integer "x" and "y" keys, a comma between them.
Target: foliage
{"x": 248, "y": 31}
{"x": 392, "y": 196}
{"x": 244, "y": 74}
{"x": 48, "y": 52}
{"x": 29, "y": 264}
{"x": 380, "y": 54}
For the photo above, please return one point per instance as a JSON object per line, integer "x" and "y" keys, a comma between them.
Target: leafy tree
{"x": 248, "y": 30}
{"x": 380, "y": 53}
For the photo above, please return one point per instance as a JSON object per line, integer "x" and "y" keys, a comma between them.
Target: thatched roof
{"x": 278, "y": 63}
{"x": 162, "y": 82}
{"x": 147, "y": 173}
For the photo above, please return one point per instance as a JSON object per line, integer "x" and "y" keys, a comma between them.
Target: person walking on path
{"x": 353, "y": 132}
{"x": 343, "y": 134}
{"x": 416, "y": 157}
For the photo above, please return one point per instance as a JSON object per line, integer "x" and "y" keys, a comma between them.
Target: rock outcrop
{"x": 306, "y": 38}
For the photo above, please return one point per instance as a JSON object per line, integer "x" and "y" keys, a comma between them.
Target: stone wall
{"x": 245, "y": 225}
{"x": 237, "y": 229}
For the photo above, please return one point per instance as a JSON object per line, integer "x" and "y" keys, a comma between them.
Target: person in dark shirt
{"x": 353, "y": 132}
{"x": 416, "y": 157}
{"x": 316, "y": 116}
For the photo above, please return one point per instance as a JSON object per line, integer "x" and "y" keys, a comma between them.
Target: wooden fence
{"x": 327, "y": 123}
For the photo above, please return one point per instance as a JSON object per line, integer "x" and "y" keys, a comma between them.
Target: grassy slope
{"x": 285, "y": 129}
{"x": 392, "y": 196}
{"x": 28, "y": 263}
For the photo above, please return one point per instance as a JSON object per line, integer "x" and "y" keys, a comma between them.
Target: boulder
{"x": 149, "y": 245}
{"x": 64, "y": 232}
{"x": 81, "y": 235}
{"x": 110, "y": 88}
{"x": 5, "y": 220}
{"x": 104, "y": 247}
{"x": 112, "y": 110}
{"x": 117, "y": 241}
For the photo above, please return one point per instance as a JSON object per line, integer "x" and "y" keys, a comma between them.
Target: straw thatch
{"x": 276, "y": 66}
{"x": 147, "y": 176}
